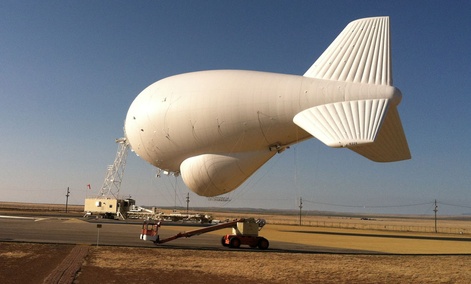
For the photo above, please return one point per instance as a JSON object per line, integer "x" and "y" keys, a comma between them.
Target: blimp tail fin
{"x": 372, "y": 128}
{"x": 390, "y": 144}
{"x": 359, "y": 54}
{"x": 344, "y": 124}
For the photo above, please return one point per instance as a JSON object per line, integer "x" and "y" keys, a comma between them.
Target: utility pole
{"x": 175, "y": 197}
{"x": 300, "y": 209}
{"x": 436, "y": 210}
{"x": 67, "y": 200}
{"x": 187, "y": 203}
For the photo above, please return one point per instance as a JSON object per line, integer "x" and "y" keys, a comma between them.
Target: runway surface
{"x": 283, "y": 238}
{"x": 118, "y": 233}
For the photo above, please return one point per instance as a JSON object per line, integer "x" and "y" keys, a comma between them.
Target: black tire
{"x": 234, "y": 243}
{"x": 263, "y": 243}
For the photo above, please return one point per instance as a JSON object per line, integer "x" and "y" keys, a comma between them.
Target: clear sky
{"x": 69, "y": 70}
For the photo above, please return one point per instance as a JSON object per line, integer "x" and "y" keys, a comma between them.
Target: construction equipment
{"x": 244, "y": 232}
{"x": 150, "y": 231}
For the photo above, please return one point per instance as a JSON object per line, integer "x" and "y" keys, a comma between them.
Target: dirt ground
{"x": 32, "y": 263}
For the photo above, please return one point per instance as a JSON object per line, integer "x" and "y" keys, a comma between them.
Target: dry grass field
{"x": 32, "y": 263}
{"x": 396, "y": 257}
{"x": 182, "y": 266}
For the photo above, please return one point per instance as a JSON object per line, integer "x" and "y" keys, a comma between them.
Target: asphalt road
{"x": 115, "y": 233}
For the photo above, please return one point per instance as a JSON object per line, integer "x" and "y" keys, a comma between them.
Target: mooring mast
{"x": 114, "y": 175}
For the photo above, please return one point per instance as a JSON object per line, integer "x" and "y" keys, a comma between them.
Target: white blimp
{"x": 216, "y": 128}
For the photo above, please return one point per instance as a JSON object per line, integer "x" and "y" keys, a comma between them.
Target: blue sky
{"x": 70, "y": 69}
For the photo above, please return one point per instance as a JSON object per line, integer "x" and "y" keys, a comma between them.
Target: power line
{"x": 454, "y": 205}
{"x": 368, "y": 206}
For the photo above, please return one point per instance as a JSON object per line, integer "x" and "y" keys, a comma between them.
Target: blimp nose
{"x": 136, "y": 128}
{"x": 147, "y": 129}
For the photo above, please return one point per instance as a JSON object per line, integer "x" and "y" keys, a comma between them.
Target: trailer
{"x": 244, "y": 232}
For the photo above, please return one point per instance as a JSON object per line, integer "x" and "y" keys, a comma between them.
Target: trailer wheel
{"x": 263, "y": 243}
{"x": 223, "y": 241}
{"x": 234, "y": 243}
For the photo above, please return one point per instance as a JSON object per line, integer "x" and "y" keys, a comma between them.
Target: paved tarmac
{"x": 68, "y": 229}
{"x": 117, "y": 233}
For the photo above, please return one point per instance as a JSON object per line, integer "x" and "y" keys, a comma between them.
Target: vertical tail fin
{"x": 390, "y": 144}
{"x": 360, "y": 54}
{"x": 370, "y": 127}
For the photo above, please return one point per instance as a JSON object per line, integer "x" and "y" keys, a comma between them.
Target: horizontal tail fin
{"x": 344, "y": 124}
{"x": 360, "y": 54}
{"x": 371, "y": 128}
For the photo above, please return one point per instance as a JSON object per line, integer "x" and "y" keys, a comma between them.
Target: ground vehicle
{"x": 244, "y": 232}
{"x": 235, "y": 241}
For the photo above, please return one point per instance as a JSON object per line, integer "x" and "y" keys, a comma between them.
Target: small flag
{"x": 89, "y": 187}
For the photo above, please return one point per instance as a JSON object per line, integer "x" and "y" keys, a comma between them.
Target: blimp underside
{"x": 218, "y": 127}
